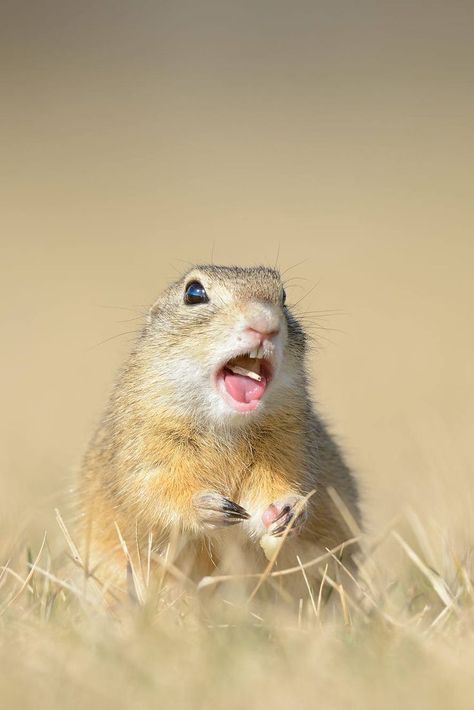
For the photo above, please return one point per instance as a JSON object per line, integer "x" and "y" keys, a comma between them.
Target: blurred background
{"x": 332, "y": 138}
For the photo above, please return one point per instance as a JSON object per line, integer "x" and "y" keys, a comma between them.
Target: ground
{"x": 401, "y": 636}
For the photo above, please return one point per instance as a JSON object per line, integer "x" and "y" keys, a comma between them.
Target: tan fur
{"x": 162, "y": 441}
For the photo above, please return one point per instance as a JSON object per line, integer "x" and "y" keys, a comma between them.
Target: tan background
{"x": 334, "y": 137}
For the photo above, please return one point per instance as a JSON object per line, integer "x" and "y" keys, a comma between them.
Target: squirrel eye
{"x": 283, "y": 297}
{"x": 195, "y": 293}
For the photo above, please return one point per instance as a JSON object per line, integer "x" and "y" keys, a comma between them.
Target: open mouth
{"x": 243, "y": 380}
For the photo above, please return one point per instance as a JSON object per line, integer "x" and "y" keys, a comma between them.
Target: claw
{"x": 235, "y": 510}
{"x": 214, "y": 510}
{"x": 286, "y": 517}
{"x": 279, "y": 531}
{"x": 284, "y": 511}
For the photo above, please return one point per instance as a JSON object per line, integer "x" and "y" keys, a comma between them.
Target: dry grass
{"x": 401, "y": 635}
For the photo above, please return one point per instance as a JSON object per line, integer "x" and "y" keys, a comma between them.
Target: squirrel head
{"x": 221, "y": 345}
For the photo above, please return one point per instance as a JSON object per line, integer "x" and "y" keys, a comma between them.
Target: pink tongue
{"x": 244, "y": 389}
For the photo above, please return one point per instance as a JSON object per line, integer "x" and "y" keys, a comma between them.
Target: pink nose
{"x": 263, "y": 335}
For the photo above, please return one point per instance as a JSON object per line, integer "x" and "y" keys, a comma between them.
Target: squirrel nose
{"x": 263, "y": 334}
{"x": 261, "y": 320}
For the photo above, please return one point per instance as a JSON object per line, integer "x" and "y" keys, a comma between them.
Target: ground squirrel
{"x": 210, "y": 434}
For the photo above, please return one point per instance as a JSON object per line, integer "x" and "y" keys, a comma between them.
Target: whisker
{"x": 307, "y": 293}
{"x": 324, "y": 314}
{"x": 315, "y": 326}
{"x": 113, "y": 337}
{"x": 123, "y": 308}
{"x": 174, "y": 268}
{"x": 294, "y": 266}
{"x": 277, "y": 256}
{"x": 129, "y": 320}
{"x": 294, "y": 278}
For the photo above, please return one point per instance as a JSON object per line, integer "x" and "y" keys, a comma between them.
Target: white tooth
{"x": 242, "y": 371}
{"x": 260, "y": 353}
{"x": 254, "y": 353}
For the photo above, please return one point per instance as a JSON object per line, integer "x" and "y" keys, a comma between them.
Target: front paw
{"x": 290, "y": 512}
{"x": 215, "y": 511}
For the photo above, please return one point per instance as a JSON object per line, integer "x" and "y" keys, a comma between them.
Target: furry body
{"x": 170, "y": 435}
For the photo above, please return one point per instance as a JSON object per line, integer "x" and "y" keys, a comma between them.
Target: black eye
{"x": 283, "y": 297}
{"x": 195, "y": 293}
